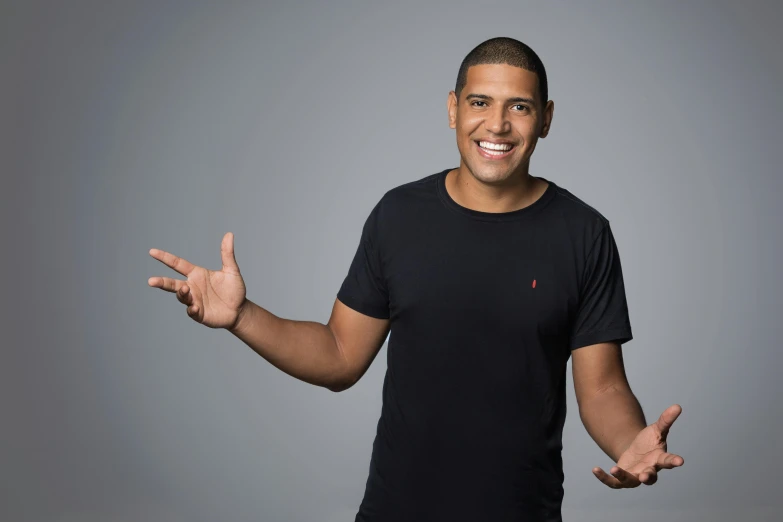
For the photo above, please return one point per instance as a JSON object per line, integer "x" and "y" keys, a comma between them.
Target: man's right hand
{"x": 214, "y": 298}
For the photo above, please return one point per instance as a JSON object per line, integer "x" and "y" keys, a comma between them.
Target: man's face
{"x": 499, "y": 108}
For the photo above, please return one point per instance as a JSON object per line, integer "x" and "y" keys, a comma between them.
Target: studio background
{"x": 126, "y": 126}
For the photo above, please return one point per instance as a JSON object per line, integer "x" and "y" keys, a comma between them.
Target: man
{"x": 488, "y": 279}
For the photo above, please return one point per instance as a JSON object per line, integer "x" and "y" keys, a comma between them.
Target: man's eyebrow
{"x": 510, "y": 100}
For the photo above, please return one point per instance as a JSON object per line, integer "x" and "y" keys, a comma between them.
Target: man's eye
{"x": 523, "y": 107}
{"x": 477, "y": 101}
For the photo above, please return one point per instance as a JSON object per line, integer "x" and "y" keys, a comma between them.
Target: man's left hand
{"x": 646, "y": 455}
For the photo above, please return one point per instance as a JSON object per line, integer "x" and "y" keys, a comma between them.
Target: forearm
{"x": 613, "y": 418}
{"x": 306, "y": 350}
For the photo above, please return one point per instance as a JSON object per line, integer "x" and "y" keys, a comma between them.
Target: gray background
{"x": 128, "y": 126}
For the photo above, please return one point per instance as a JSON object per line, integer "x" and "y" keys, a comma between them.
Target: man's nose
{"x": 497, "y": 121}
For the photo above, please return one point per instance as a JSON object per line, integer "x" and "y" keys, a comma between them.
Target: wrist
{"x": 242, "y": 318}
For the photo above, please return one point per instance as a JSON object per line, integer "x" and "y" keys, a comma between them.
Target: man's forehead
{"x": 502, "y": 77}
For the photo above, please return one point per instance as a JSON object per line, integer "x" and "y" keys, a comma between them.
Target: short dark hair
{"x": 506, "y": 51}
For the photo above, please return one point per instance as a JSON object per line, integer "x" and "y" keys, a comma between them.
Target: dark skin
{"x": 501, "y": 104}
{"x": 498, "y": 103}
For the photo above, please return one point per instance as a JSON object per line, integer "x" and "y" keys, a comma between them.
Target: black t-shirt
{"x": 485, "y": 309}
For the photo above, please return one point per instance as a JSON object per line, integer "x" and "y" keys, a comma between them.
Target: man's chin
{"x": 490, "y": 173}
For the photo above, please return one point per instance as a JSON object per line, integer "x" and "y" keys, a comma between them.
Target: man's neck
{"x": 520, "y": 192}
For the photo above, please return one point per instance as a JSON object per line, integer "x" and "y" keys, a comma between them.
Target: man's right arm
{"x": 333, "y": 355}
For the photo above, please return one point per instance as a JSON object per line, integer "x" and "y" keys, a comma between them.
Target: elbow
{"x": 336, "y": 388}
{"x": 341, "y": 385}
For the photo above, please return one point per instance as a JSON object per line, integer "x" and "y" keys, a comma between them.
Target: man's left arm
{"x": 608, "y": 408}
{"x": 614, "y": 419}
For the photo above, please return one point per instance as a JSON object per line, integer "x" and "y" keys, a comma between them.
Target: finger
{"x": 627, "y": 479}
{"x": 165, "y": 283}
{"x": 193, "y": 311}
{"x": 179, "y": 264}
{"x": 606, "y": 479}
{"x": 184, "y": 295}
{"x": 648, "y": 476}
{"x": 667, "y": 418}
{"x": 670, "y": 460}
{"x": 227, "y": 254}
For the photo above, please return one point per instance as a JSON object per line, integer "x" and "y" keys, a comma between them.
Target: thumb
{"x": 667, "y": 418}
{"x": 227, "y": 254}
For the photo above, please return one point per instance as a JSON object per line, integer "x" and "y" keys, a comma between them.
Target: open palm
{"x": 213, "y": 298}
{"x": 646, "y": 455}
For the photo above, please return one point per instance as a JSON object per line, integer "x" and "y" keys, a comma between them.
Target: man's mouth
{"x": 491, "y": 150}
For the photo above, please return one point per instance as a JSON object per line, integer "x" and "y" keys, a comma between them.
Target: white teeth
{"x": 495, "y": 146}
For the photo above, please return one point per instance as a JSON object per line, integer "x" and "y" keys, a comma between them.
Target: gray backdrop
{"x": 131, "y": 125}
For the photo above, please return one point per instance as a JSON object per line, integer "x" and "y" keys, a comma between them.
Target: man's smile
{"x": 494, "y": 149}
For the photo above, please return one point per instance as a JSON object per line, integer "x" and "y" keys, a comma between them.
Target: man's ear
{"x": 451, "y": 105}
{"x": 549, "y": 112}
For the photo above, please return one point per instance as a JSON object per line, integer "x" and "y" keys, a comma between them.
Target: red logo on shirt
{"x": 534, "y": 283}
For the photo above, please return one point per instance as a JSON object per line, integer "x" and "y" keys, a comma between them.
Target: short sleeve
{"x": 364, "y": 288}
{"x": 603, "y": 310}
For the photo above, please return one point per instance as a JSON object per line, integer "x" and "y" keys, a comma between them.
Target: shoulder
{"x": 576, "y": 207}
{"x": 399, "y": 206}
{"x": 407, "y": 197}
{"x": 412, "y": 190}
{"x": 579, "y": 216}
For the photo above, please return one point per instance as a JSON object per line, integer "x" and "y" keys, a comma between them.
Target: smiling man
{"x": 488, "y": 280}
{"x": 491, "y": 278}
